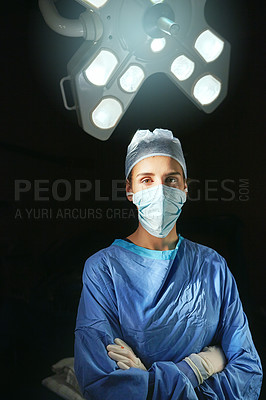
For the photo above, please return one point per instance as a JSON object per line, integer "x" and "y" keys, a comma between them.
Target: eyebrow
{"x": 173, "y": 173}
{"x": 152, "y": 174}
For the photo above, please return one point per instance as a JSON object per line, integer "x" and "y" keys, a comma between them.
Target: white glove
{"x": 124, "y": 355}
{"x": 215, "y": 356}
{"x": 209, "y": 361}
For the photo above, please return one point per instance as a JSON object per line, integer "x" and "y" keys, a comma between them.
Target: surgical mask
{"x": 159, "y": 208}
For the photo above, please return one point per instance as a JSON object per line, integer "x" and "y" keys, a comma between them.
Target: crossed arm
{"x": 204, "y": 364}
{"x": 99, "y": 377}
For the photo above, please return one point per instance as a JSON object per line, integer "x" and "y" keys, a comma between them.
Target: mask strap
{"x": 129, "y": 193}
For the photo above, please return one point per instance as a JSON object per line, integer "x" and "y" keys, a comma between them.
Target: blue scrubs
{"x": 165, "y": 305}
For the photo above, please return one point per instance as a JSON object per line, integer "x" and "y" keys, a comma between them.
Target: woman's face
{"x": 154, "y": 171}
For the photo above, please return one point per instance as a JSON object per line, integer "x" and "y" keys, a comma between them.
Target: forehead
{"x": 157, "y": 164}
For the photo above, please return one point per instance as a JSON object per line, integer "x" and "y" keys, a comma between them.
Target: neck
{"x": 144, "y": 239}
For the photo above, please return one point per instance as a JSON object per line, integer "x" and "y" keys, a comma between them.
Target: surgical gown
{"x": 165, "y": 305}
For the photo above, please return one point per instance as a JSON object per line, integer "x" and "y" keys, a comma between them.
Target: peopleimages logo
{"x": 62, "y": 190}
{"x": 219, "y": 190}
{"x": 44, "y": 193}
{"x": 72, "y": 214}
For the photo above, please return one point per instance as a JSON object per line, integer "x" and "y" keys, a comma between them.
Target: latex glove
{"x": 124, "y": 355}
{"x": 215, "y": 356}
{"x": 209, "y": 361}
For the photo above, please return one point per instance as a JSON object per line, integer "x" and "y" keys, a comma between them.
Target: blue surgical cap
{"x": 160, "y": 142}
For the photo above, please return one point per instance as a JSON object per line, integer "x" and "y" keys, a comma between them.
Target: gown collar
{"x": 142, "y": 251}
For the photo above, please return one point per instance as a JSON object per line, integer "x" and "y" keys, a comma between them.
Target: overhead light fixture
{"x": 182, "y": 67}
{"x": 127, "y": 41}
{"x": 107, "y": 113}
{"x": 157, "y": 1}
{"x": 209, "y": 45}
{"x": 101, "y": 68}
{"x": 207, "y": 89}
{"x": 95, "y": 3}
{"x": 131, "y": 80}
{"x": 158, "y": 44}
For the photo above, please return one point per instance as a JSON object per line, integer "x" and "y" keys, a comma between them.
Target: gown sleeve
{"x": 242, "y": 377}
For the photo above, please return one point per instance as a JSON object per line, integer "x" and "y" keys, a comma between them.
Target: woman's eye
{"x": 172, "y": 181}
{"x": 146, "y": 180}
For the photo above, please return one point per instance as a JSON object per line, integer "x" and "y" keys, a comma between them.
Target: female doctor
{"x": 160, "y": 316}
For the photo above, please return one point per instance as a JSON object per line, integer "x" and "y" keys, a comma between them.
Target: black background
{"x": 42, "y": 258}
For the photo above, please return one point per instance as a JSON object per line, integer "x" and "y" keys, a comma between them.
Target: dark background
{"x": 42, "y": 258}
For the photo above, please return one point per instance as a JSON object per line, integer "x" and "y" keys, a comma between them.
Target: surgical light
{"x": 182, "y": 68}
{"x": 101, "y": 68}
{"x": 132, "y": 78}
{"x": 207, "y": 89}
{"x": 126, "y": 42}
{"x": 209, "y": 45}
{"x": 158, "y": 44}
{"x": 95, "y": 3}
{"x": 107, "y": 113}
